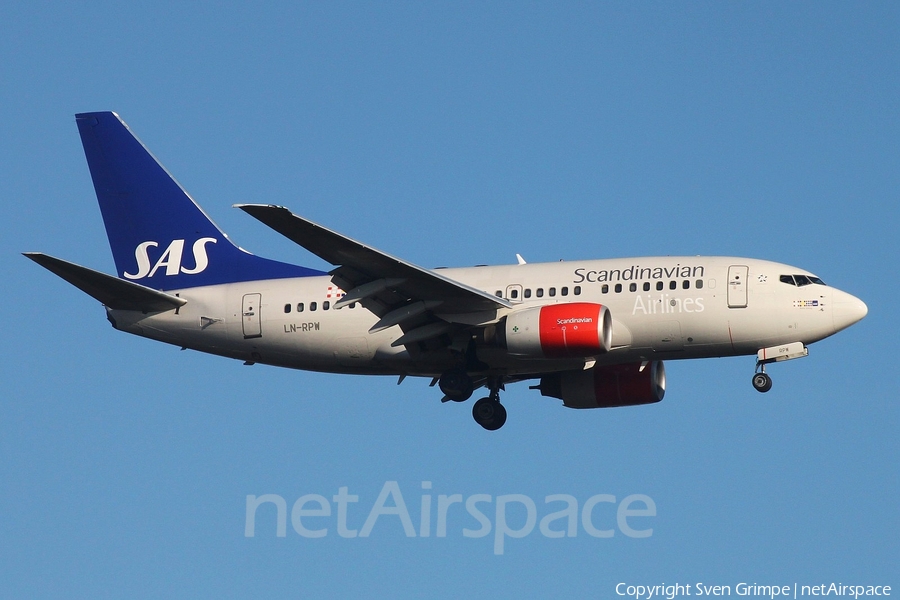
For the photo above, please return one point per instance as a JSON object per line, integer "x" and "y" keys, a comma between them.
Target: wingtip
{"x": 248, "y": 207}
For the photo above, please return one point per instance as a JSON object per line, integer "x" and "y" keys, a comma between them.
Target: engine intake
{"x": 559, "y": 331}
{"x": 605, "y": 387}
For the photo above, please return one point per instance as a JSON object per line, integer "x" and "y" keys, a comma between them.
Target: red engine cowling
{"x": 559, "y": 330}
{"x": 605, "y": 387}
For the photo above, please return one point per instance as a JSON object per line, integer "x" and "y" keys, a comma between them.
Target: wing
{"x": 398, "y": 291}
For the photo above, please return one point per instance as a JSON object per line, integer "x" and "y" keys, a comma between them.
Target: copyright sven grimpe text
{"x": 793, "y": 590}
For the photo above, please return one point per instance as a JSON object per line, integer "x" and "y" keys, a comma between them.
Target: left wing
{"x": 398, "y": 291}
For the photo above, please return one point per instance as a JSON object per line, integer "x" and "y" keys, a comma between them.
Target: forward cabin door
{"x": 737, "y": 286}
{"x": 250, "y": 315}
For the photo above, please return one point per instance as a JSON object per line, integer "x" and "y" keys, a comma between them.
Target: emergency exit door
{"x": 250, "y": 315}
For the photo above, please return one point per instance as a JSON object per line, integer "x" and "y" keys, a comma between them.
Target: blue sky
{"x": 452, "y": 134}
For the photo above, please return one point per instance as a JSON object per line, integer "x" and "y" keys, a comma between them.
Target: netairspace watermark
{"x": 794, "y": 590}
{"x": 314, "y": 515}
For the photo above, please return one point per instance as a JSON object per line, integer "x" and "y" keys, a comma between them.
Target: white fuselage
{"x": 662, "y": 308}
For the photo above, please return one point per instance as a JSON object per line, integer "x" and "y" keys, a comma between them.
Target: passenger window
{"x": 632, "y": 287}
{"x": 299, "y": 307}
{"x": 353, "y": 305}
{"x": 673, "y": 285}
{"x": 326, "y": 305}
{"x": 577, "y": 290}
{"x": 498, "y": 293}
{"x": 564, "y": 291}
{"x": 699, "y": 284}
{"x": 686, "y": 284}
{"x": 551, "y": 292}
{"x": 527, "y": 293}
{"x": 618, "y": 288}
{"x": 313, "y": 306}
{"x": 646, "y": 286}
{"x": 659, "y": 286}
{"x": 287, "y": 308}
{"x": 605, "y": 288}
{"x": 540, "y": 292}
{"x": 514, "y": 293}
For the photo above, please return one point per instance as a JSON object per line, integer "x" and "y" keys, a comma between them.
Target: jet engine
{"x": 605, "y": 387}
{"x": 568, "y": 330}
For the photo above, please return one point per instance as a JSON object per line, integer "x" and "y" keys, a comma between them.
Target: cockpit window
{"x": 800, "y": 280}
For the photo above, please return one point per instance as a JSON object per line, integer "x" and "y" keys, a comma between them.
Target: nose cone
{"x": 847, "y": 310}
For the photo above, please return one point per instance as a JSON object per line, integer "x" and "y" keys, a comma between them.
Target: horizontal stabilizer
{"x": 111, "y": 291}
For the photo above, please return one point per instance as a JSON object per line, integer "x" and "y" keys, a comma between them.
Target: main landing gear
{"x": 458, "y": 386}
{"x": 489, "y": 413}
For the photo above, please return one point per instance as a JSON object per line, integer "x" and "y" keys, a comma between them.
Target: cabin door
{"x": 250, "y": 315}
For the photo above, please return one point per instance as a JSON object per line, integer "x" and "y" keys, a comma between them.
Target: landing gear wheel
{"x": 762, "y": 382}
{"x": 489, "y": 413}
{"x": 456, "y": 385}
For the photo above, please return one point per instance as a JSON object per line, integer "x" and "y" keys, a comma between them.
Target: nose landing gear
{"x": 762, "y": 382}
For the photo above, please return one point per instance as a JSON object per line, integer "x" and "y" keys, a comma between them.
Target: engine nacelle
{"x": 605, "y": 387}
{"x": 559, "y": 331}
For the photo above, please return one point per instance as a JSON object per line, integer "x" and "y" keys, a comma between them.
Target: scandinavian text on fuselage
{"x": 638, "y": 273}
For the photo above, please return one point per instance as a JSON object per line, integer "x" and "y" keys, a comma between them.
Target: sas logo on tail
{"x": 170, "y": 259}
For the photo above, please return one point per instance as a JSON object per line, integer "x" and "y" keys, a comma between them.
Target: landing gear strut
{"x": 488, "y": 412}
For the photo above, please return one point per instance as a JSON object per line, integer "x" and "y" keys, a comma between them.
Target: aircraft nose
{"x": 847, "y": 310}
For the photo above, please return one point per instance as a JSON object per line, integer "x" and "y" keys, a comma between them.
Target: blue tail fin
{"x": 159, "y": 237}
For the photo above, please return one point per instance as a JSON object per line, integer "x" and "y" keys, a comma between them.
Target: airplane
{"x": 592, "y": 333}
